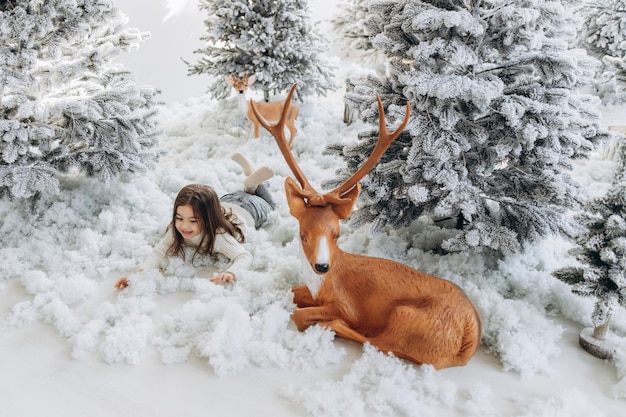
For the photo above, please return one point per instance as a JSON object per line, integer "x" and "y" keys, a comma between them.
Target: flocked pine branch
{"x": 65, "y": 104}
{"x": 601, "y": 253}
{"x": 602, "y": 32}
{"x": 497, "y": 120}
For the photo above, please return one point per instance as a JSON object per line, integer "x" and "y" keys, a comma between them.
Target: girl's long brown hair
{"x": 209, "y": 212}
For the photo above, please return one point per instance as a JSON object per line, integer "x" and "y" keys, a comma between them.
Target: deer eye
{"x": 303, "y": 237}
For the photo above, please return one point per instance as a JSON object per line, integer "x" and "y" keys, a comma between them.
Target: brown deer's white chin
{"x": 311, "y": 279}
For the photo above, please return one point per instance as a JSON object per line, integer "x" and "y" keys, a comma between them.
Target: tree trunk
{"x": 598, "y": 341}
{"x": 460, "y": 221}
{"x": 599, "y": 332}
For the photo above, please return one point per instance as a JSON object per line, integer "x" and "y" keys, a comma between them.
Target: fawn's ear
{"x": 295, "y": 200}
{"x": 229, "y": 80}
{"x": 251, "y": 80}
{"x": 345, "y": 207}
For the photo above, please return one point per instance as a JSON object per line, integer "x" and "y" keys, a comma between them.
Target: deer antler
{"x": 385, "y": 139}
{"x": 278, "y": 132}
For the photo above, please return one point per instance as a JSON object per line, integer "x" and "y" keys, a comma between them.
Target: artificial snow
{"x": 175, "y": 343}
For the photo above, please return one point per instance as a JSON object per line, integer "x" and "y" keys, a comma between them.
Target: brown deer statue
{"x": 270, "y": 111}
{"x": 397, "y": 309}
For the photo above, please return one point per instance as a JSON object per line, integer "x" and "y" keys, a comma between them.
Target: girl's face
{"x": 186, "y": 222}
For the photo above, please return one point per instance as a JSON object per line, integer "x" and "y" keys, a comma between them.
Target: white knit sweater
{"x": 225, "y": 244}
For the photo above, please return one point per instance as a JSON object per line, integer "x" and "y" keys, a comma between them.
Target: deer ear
{"x": 251, "y": 80}
{"x": 229, "y": 80}
{"x": 344, "y": 209}
{"x": 294, "y": 197}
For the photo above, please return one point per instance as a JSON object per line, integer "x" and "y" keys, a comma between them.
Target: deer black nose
{"x": 322, "y": 268}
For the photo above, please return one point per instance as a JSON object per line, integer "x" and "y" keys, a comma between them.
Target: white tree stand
{"x": 601, "y": 348}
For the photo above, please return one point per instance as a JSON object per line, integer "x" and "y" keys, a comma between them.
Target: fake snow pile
{"x": 67, "y": 253}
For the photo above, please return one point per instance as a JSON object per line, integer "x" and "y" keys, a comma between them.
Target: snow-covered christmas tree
{"x": 497, "y": 120}
{"x": 603, "y": 29}
{"x": 64, "y": 104}
{"x": 617, "y": 77}
{"x": 601, "y": 252}
{"x": 603, "y": 33}
{"x": 354, "y": 36}
{"x": 272, "y": 39}
{"x": 349, "y": 24}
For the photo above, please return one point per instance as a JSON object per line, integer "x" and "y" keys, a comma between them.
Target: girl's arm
{"x": 241, "y": 259}
{"x": 157, "y": 259}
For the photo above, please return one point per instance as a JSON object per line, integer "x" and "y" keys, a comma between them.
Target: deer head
{"x": 319, "y": 214}
{"x": 240, "y": 84}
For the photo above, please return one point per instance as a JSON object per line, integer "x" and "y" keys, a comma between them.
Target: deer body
{"x": 270, "y": 111}
{"x": 398, "y": 309}
{"x": 395, "y": 308}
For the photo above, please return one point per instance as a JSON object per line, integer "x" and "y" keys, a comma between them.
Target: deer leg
{"x": 292, "y": 132}
{"x": 347, "y": 114}
{"x": 302, "y": 296}
{"x": 307, "y": 316}
{"x": 250, "y": 131}
{"x": 342, "y": 329}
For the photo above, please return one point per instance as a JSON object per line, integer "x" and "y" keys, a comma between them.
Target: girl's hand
{"x": 223, "y": 277}
{"x": 121, "y": 283}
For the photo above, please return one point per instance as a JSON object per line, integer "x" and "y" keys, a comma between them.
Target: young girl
{"x": 214, "y": 226}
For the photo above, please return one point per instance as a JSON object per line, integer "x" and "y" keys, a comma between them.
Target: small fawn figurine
{"x": 270, "y": 111}
{"x": 416, "y": 316}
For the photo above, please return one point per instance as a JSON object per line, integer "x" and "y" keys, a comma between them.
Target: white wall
{"x": 158, "y": 60}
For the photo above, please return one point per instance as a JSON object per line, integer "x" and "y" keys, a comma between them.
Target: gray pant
{"x": 258, "y": 204}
